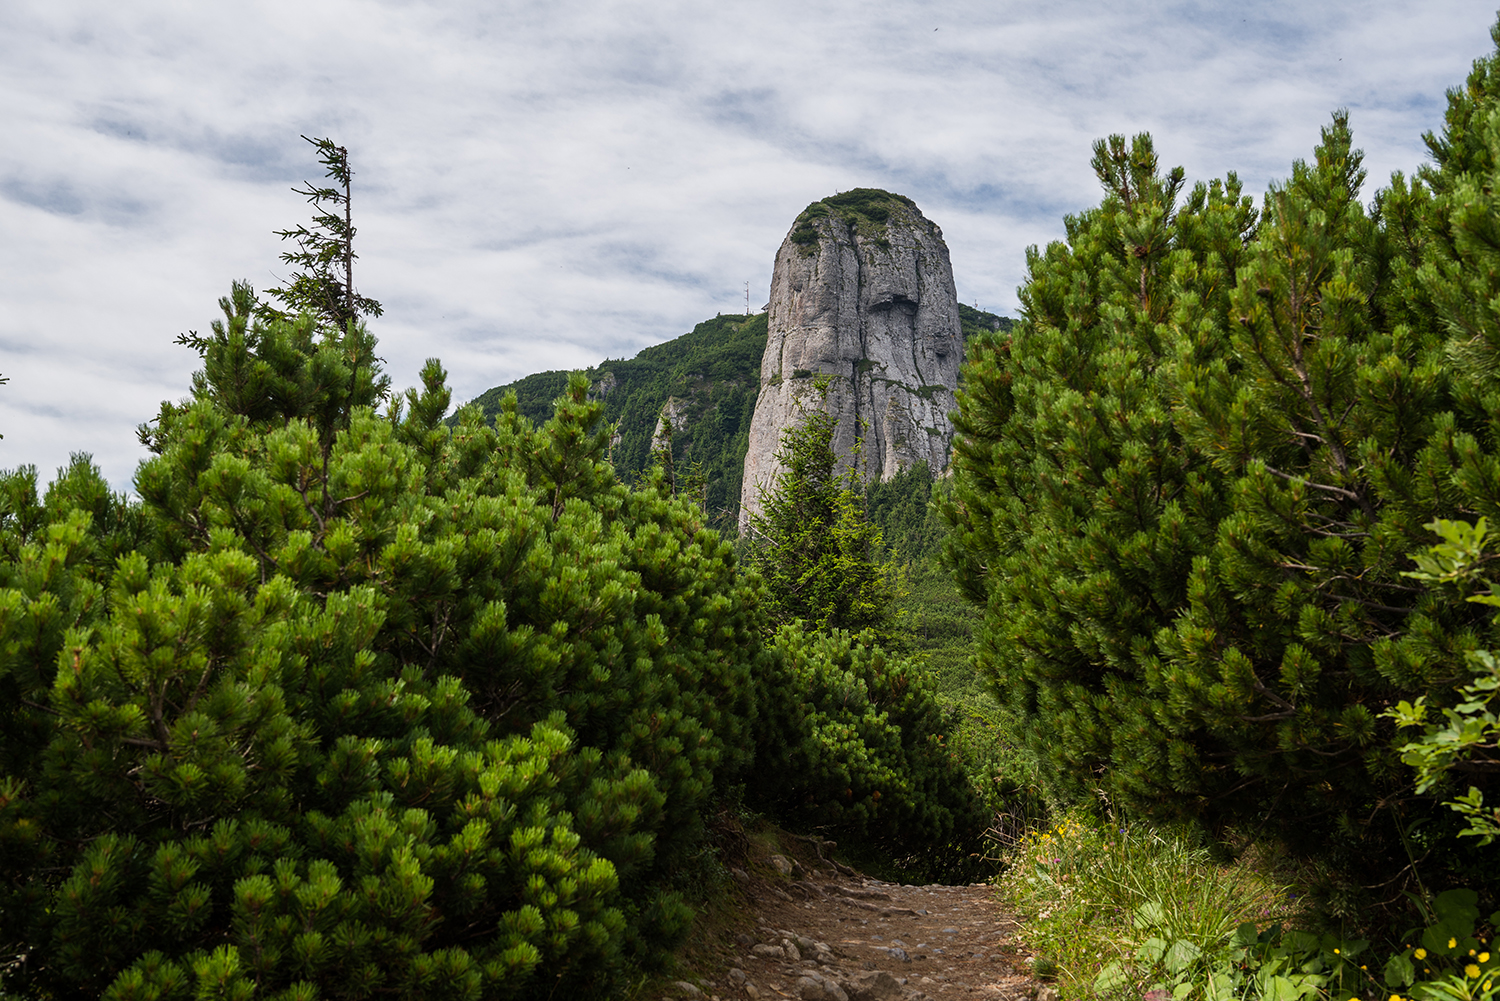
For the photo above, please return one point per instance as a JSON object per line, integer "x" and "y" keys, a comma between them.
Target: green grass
{"x": 1115, "y": 911}
{"x": 1093, "y": 895}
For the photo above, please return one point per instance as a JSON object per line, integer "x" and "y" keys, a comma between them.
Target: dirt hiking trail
{"x": 826, "y": 932}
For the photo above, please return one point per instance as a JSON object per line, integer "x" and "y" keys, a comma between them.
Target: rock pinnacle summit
{"x": 862, "y": 297}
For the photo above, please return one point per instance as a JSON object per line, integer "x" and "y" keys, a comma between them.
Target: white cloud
{"x": 541, "y": 185}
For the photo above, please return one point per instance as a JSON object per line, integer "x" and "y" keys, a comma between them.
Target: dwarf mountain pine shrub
{"x": 355, "y": 702}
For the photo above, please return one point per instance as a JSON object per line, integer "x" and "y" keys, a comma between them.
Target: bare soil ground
{"x": 805, "y": 929}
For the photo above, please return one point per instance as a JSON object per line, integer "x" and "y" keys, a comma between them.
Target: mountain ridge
{"x": 714, "y": 369}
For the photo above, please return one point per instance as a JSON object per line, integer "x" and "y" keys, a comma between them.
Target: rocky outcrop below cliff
{"x": 863, "y": 304}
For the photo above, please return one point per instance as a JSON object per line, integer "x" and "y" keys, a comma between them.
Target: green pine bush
{"x": 354, "y": 702}
{"x": 854, "y": 741}
{"x": 351, "y": 702}
{"x": 1188, "y": 481}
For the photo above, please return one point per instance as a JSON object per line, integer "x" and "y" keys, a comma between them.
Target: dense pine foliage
{"x": 354, "y": 701}
{"x": 358, "y": 697}
{"x": 1189, "y": 482}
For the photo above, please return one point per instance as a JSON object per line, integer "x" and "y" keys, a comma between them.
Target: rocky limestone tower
{"x": 862, "y": 295}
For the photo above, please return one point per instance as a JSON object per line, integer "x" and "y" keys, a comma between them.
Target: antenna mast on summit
{"x": 747, "y": 298}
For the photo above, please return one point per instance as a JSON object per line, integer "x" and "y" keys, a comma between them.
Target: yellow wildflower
{"x": 1484, "y": 957}
{"x": 1420, "y": 954}
{"x": 1397, "y": 997}
{"x": 1453, "y": 943}
{"x": 1471, "y": 971}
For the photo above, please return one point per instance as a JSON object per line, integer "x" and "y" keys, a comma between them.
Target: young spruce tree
{"x": 814, "y": 543}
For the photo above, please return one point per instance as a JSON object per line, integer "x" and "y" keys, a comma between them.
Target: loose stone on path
{"x": 829, "y": 937}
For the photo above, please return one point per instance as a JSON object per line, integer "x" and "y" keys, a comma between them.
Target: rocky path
{"x": 843, "y": 937}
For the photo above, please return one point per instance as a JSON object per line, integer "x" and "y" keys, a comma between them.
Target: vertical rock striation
{"x": 862, "y": 295}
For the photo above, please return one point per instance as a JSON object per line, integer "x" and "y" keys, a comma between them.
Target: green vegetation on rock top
{"x": 865, "y": 210}
{"x": 979, "y": 323}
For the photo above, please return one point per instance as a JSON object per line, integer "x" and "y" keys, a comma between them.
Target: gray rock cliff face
{"x": 671, "y": 412}
{"x": 862, "y": 294}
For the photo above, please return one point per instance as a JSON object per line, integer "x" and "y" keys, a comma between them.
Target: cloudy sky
{"x": 543, "y": 185}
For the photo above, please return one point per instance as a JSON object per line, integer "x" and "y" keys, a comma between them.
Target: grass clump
{"x": 1114, "y": 911}
{"x": 1111, "y": 910}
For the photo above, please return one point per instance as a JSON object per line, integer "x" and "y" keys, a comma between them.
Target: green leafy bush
{"x": 1468, "y": 737}
{"x": 353, "y": 703}
{"x": 1452, "y": 960}
{"x": 854, "y": 741}
{"x": 1185, "y": 490}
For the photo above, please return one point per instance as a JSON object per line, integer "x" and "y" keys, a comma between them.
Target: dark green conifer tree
{"x": 1325, "y": 413}
{"x": 814, "y": 543}
{"x": 323, "y": 283}
{"x": 1078, "y": 511}
{"x": 1188, "y": 481}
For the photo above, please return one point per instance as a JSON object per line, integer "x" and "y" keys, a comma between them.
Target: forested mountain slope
{"x": 713, "y": 371}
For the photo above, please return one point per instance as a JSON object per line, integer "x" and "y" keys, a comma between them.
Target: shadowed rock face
{"x": 863, "y": 295}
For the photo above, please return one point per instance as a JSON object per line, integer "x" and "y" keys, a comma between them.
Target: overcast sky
{"x": 543, "y": 185}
